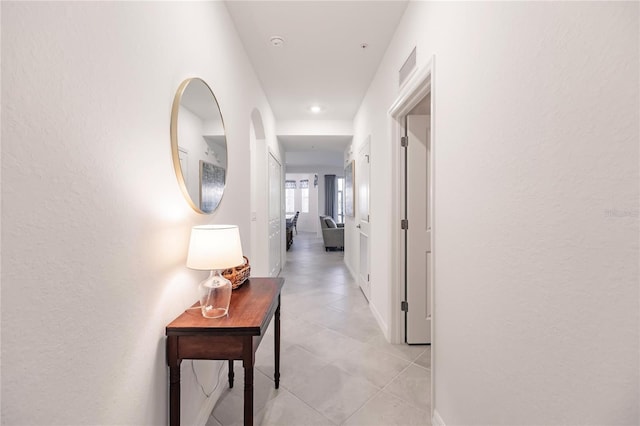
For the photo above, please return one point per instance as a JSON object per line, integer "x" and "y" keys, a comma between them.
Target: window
{"x": 290, "y": 196}
{"x": 340, "y": 200}
{"x": 304, "y": 187}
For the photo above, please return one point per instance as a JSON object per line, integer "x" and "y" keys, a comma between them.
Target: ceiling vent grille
{"x": 408, "y": 66}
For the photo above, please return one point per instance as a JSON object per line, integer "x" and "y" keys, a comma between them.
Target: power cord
{"x": 193, "y": 368}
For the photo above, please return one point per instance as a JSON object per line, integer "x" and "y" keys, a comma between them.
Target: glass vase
{"x": 215, "y": 295}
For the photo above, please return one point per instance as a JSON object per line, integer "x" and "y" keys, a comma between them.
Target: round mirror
{"x": 199, "y": 145}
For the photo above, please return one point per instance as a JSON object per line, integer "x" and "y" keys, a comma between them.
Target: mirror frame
{"x": 174, "y": 144}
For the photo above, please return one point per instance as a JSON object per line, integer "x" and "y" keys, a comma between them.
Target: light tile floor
{"x": 336, "y": 366}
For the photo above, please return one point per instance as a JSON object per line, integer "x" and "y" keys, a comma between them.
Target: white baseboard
{"x": 436, "y": 420}
{"x": 383, "y": 325}
{"x": 209, "y": 403}
{"x": 353, "y": 274}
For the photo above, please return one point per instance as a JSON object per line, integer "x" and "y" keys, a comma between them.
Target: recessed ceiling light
{"x": 277, "y": 41}
{"x": 316, "y": 109}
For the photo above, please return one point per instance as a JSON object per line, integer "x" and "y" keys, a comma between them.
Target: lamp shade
{"x": 214, "y": 247}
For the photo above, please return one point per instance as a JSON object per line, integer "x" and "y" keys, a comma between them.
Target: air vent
{"x": 408, "y": 66}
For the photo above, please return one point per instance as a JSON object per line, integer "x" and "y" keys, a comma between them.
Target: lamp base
{"x": 215, "y": 295}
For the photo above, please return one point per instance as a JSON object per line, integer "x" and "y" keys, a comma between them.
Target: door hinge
{"x": 404, "y": 141}
{"x": 404, "y": 224}
{"x": 368, "y": 279}
{"x": 404, "y": 306}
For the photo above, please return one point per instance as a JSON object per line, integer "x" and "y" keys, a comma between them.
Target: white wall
{"x": 315, "y": 158}
{"x": 95, "y": 228}
{"x": 261, "y": 145}
{"x": 537, "y": 197}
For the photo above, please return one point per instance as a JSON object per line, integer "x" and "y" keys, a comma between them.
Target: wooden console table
{"x": 234, "y": 337}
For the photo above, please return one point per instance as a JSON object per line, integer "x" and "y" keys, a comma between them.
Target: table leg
{"x": 174, "y": 380}
{"x": 174, "y": 395}
{"x": 248, "y": 362}
{"x": 276, "y": 375}
{"x": 231, "y": 375}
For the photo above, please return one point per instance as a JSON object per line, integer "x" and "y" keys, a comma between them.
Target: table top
{"x": 252, "y": 306}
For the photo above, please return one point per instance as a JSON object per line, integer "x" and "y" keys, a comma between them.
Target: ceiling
{"x": 321, "y": 60}
{"x": 334, "y": 143}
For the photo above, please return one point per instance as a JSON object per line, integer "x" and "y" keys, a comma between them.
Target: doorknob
{"x": 358, "y": 226}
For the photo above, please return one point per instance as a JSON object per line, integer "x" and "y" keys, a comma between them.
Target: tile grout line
{"x": 303, "y": 268}
{"x": 399, "y": 397}
{"x": 301, "y": 400}
{"x": 381, "y": 390}
{"x": 410, "y": 361}
{"x": 360, "y": 408}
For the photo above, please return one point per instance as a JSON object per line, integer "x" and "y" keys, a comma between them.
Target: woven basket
{"x": 239, "y": 274}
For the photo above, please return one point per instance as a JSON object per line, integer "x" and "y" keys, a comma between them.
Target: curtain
{"x": 330, "y": 195}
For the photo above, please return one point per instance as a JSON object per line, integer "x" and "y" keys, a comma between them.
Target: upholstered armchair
{"x": 332, "y": 233}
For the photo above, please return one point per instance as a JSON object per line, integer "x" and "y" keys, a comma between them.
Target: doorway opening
{"x": 414, "y": 289}
{"x": 258, "y": 153}
{"x": 417, "y": 223}
{"x": 301, "y": 201}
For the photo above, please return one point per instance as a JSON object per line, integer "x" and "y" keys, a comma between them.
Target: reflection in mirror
{"x": 199, "y": 145}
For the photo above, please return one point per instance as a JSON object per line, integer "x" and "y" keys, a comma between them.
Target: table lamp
{"x": 214, "y": 248}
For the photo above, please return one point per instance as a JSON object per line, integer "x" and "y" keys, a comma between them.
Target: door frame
{"x": 358, "y": 212}
{"x": 259, "y": 160}
{"x": 418, "y": 85}
{"x": 281, "y": 252}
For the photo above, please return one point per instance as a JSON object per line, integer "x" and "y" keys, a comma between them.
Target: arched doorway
{"x": 259, "y": 193}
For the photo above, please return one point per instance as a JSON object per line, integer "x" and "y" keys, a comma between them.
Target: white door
{"x": 418, "y": 234}
{"x": 363, "y": 178}
{"x": 275, "y": 221}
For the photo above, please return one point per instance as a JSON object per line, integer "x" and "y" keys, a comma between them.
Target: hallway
{"x": 336, "y": 366}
